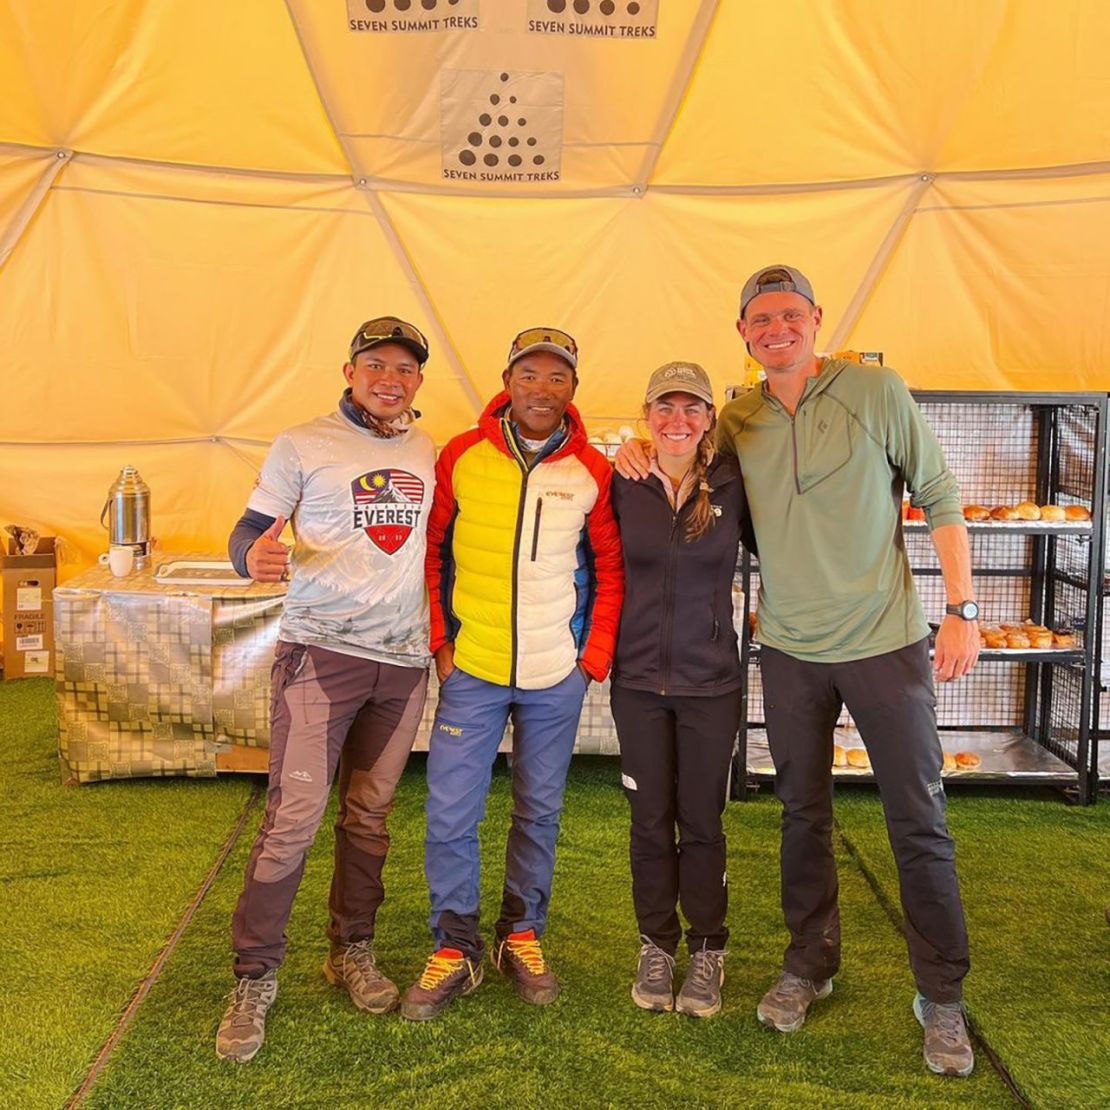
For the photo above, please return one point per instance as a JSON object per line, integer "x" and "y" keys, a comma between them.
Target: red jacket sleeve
{"x": 605, "y": 543}
{"x": 439, "y": 562}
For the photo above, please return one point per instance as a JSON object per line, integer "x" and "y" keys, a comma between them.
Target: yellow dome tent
{"x": 201, "y": 199}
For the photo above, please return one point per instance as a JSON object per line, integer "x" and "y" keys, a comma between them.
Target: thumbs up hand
{"x": 268, "y": 557}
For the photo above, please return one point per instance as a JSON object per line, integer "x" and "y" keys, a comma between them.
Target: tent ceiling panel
{"x": 19, "y": 174}
{"x": 799, "y": 91}
{"x": 140, "y": 314}
{"x": 1000, "y": 285}
{"x": 56, "y": 59}
{"x": 179, "y": 81}
{"x": 1043, "y": 99}
{"x": 403, "y": 102}
{"x": 198, "y": 491}
{"x": 636, "y": 282}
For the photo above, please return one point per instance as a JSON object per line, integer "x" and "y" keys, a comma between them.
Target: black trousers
{"x": 676, "y": 754}
{"x": 892, "y": 700}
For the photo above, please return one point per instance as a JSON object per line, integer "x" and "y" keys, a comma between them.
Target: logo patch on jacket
{"x": 387, "y": 506}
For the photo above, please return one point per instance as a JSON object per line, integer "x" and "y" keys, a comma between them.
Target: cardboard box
{"x": 27, "y": 603}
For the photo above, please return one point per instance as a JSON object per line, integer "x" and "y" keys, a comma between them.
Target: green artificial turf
{"x": 592, "y": 1047}
{"x": 1035, "y": 879}
{"x": 93, "y": 880}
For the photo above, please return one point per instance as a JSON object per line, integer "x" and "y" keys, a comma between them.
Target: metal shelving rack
{"x": 1030, "y": 715}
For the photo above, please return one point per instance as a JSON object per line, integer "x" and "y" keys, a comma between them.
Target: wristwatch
{"x": 965, "y": 610}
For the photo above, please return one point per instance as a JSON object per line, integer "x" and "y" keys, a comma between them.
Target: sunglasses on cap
{"x": 554, "y": 340}
{"x": 388, "y": 328}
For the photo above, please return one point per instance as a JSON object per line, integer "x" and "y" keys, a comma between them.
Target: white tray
{"x": 199, "y": 572}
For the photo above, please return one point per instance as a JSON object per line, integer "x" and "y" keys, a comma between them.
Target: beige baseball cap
{"x": 679, "y": 377}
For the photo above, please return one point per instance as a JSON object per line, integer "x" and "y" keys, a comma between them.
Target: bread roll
{"x": 1004, "y": 512}
{"x": 840, "y": 756}
{"x": 949, "y": 763}
{"x": 967, "y": 761}
{"x": 1040, "y": 639}
{"x": 1064, "y": 639}
{"x": 1017, "y": 640}
{"x": 994, "y": 639}
{"x": 1076, "y": 512}
{"x": 1052, "y": 512}
{"x": 1012, "y": 627}
{"x": 978, "y": 513}
{"x": 1029, "y": 628}
{"x": 857, "y": 757}
{"x": 1027, "y": 510}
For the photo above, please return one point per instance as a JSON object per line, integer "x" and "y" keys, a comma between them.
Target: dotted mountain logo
{"x": 612, "y": 19}
{"x": 391, "y": 16}
{"x": 499, "y": 126}
{"x": 387, "y": 506}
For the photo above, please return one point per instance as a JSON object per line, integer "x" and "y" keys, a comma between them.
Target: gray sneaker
{"x": 654, "y": 985}
{"x": 947, "y": 1044}
{"x": 784, "y": 1006}
{"x": 243, "y": 1028}
{"x": 355, "y": 968}
{"x": 701, "y": 990}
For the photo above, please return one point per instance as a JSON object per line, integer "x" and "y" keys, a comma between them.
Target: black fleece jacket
{"x": 676, "y": 635}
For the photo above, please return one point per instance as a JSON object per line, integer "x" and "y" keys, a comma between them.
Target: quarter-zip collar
{"x": 830, "y": 370}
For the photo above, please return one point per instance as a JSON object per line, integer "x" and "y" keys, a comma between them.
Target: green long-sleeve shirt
{"x": 825, "y": 491}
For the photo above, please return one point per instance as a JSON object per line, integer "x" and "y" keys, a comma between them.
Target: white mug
{"x": 119, "y": 558}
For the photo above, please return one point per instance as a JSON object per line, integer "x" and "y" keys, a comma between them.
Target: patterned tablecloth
{"x": 168, "y": 680}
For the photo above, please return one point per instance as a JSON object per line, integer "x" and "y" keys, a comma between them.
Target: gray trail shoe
{"x": 243, "y": 1028}
{"x": 654, "y": 985}
{"x": 355, "y": 968}
{"x": 947, "y": 1044}
{"x": 701, "y": 990}
{"x": 784, "y": 1006}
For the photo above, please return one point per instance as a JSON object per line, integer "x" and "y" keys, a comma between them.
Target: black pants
{"x": 676, "y": 753}
{"x": 892, "y": 700}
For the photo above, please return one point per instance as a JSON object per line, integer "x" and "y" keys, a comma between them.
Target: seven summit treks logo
{"x": 387, "y": 506}
{"x": 391, "y": 16}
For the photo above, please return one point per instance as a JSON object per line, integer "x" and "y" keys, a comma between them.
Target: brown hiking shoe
{"x": 243, "y": 1028}
{"x": 353, "y": 966}
{"x": 520, "y": 957}
{"x": 447, "y": 975}
{"x": 785, "y": 1005}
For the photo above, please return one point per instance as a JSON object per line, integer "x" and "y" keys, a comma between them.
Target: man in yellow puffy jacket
{"x": 525, "y": 584}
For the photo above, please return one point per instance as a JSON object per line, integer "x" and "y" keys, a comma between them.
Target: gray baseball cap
{"x": 776, "y": 279}
{"x": 679, "y": 377}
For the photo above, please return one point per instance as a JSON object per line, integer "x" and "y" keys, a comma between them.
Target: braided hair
{"x": 701, "y": 517}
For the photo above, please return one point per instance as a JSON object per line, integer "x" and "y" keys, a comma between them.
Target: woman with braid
{"x": 676, "y": 686}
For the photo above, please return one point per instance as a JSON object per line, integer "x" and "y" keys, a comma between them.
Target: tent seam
{"x": 31, "y": 204}
{"x": 401, "y": 255}
{"x": 886, "y": 249}
{"x": 676, "y": 94}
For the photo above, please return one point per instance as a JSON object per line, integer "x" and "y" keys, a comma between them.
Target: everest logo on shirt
{"x": 387, "y": 506}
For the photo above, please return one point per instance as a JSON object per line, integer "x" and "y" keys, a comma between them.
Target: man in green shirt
{"x": 827, "y": 448}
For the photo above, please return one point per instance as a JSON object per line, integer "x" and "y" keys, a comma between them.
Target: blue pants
{"x": 470, "y": 721}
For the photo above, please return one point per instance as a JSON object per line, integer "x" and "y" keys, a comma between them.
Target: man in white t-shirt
{"x": 350, "y": 667}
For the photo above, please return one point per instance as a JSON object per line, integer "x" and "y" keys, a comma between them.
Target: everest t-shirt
{"x": 359, "y": 507}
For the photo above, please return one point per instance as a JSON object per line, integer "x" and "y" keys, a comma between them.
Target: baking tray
{"x": 1018, "y": 527}
{"x": 1007, "y": 757}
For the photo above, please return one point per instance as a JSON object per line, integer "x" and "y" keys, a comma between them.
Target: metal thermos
{"x": 128, "y": 512}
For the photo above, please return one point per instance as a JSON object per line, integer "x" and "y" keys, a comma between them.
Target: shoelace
{"x": 529, "y": 953}
{"x": 949, "y": 1022}
{"x": 361, "y": 956}
{"x": 437, "y": 969}
{"x": 246, "y": 995}
{"x": 659, "y": 964}
{"x": 788, "y": 980}
{"x": 703, "y": 966}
